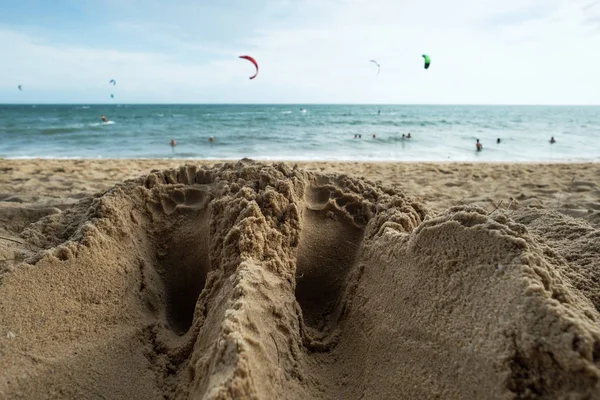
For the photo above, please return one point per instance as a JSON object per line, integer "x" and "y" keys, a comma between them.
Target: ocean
{"x": 302, "y": 132}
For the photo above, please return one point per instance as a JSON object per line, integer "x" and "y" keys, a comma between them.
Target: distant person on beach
{"x": 498, "y": 140}
{"x": 104, "y": 119}
{"x": 478, "y": 145}
{"x": 408, "y": 136}
{"x": 173, "y": 143}
{"x": 552, "y": 141}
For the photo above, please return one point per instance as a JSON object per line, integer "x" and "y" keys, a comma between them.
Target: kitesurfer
{"x": 104, "y": 119}
{"x": 552, "y": 141}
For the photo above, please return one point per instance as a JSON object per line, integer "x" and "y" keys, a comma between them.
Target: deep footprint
{"x": 326, "y": 253}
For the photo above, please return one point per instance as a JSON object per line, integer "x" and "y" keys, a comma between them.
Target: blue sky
{"x": 309, "y": 51}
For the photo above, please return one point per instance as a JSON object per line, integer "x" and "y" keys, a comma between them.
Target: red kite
{"x": 253, "y": 61}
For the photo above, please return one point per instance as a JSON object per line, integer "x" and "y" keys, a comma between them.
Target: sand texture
{"x": 274, "y": 281}
{"x": 572, "y": 189}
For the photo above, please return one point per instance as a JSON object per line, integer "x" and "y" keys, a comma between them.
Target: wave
{"x": 52, "y": 130}
{"x": 405, "y": 123}
{"x": 96, "y": 124}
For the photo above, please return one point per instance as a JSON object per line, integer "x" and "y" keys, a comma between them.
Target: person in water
{"x": 374, "y": 136}
{"x": 173, "y": 143}
{"x": 211, "y": 139}
{"x": 408, "y": 136}
{"x": 104, "y": 119}
{"x": 403, "y": 136}
{"x": 498, "y": 140}
{"x": 552, "y": 141}
{"x": 478, "y": 145}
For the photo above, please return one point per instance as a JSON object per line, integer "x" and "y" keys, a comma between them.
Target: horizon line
{"x": 306, "y": 104}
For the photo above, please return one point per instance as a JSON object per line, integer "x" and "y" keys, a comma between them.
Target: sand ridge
{"x": 246, "y": 280}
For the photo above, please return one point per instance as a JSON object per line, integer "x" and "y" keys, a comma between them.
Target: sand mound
{"x": 254, "y": 281}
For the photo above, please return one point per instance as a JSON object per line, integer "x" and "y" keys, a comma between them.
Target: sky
{"x": 309, "y": 51}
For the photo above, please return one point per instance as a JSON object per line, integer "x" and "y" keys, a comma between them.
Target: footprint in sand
{"x": 329, "y": 241}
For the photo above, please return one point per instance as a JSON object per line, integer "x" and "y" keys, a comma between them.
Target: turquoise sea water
{"x": 301, "y": 132}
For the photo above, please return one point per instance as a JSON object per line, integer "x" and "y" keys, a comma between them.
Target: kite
{"x": 427, "y": 60}
{"x": 253, "y": 61}
{"x": 20, "y": 87}
{"x": 112, "y": 96}
{"x": 113, "y": 82}
{"x": 378, "y": 66}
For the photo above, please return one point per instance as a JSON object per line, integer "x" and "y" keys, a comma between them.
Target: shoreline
{"x": 303, "y": 161}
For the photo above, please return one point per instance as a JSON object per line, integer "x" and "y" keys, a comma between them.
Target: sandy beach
{"x": 151, "y": 279}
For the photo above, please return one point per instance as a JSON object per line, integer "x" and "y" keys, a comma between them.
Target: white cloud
{"x": 493, "y": 51}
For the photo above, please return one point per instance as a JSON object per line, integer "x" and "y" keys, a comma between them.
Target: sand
{"x": 315, "y": 280}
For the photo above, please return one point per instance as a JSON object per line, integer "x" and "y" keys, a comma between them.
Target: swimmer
{"x": 211, "y": 139}
{"x": 173, "y": 143}
{"x": 104, "y": 119}
{"x": 552, "y": 141}
{"x": 498, "y": 140}
{"x": 403, "y": 136}
{"x": 408, "y": 136}
{"x": 378, "y": 112}
{"x": 478, "y": 145}
{"x": 374, "y": 136}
